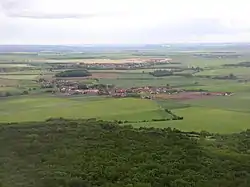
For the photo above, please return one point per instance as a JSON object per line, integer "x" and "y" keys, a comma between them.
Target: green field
{"x": 217, "y": 114}
{"x": 14, "y": 65}
{"x": 238, "y": 71}
{"x": 221, "y": 115}
{"x": 40, "y": 108}
{"x": 19, "y": 77}
{"x": 208, "y": 119}
{"x": 238, "y": 102}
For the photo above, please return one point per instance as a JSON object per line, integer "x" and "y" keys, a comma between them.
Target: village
{"x": 68, "y": 88}
{"x": 136, "y": 63}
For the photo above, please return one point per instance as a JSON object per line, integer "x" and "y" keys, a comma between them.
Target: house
{"x": 119, "y": 95}
{"x": 91, "y": 91}
{"x": 120, "y": 91}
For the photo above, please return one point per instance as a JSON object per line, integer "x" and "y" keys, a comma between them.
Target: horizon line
{"x": 132, "y": 44}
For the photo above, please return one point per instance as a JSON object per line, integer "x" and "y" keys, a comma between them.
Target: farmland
{"x": 26, "y": 98}
{"x": 41, "y": 108}
{"x": 208, "y": 119}
{"x": 174, "y": 117}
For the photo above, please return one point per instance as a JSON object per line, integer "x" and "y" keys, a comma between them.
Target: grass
{"x": 217, "y": 114}
{"x": 208, "y": 119}
{"x": 219, "y": 85}
{"x": 19, "y": 77}
{"x": 189, "y": 60}
{"x": 40, "y": 108}
{"x": 238, "y": 102}
{"x": 238, "y": 71}
{"x": 13, "y": 65}
{"x": 8, "y": 89}
{"x": 170, "y": 104}
{"x": 26, "y": 72}
{"x": 126, "y": 80}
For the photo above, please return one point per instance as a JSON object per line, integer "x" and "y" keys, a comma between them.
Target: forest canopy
{"x": 88, "y": 153}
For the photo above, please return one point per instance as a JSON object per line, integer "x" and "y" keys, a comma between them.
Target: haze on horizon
{"x": 123, "y": 21}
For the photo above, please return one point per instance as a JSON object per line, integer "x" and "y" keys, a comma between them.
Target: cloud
{"x": 33, "y": 15}
{"x": 187, "y": 30}
{"x": 10, "y": 6}
{"x": 124, "y": 21}
{"x": 23, "y": 9}
{"x": 194, "y": 28}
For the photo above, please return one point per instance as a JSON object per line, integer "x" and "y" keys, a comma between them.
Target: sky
{"x": 123, "y": 21}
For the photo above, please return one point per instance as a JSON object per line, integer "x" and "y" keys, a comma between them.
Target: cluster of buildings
{"x": 124, "y": 64}
{"x": 66, "y": 87}
{"x": 218, "y": 93}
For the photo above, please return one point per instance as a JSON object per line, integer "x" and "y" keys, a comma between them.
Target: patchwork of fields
{"x": 213, "y": 114}
{"x": 222, "y": 115}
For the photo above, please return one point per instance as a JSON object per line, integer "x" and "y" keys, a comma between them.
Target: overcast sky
{"x": 123, "y": 21}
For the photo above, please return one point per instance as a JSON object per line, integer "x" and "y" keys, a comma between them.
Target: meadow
{"x": 199, "y": 119}
{"x": 19, "y": 77}
{"x": 40, "y": 108}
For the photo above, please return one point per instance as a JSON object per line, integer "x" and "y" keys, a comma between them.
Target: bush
{"x": 7, "y": 94}
{"x": 160, "y": 119}
{"x": 25, "y": 92}
{"x": 161, "y": 73}
{"x": 74, "y": 73}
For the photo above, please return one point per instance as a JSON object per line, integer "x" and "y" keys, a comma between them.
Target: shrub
{"x": 7, "y": 94}
{"x": 74, "y": 73}
{"x": 161, "y": 73}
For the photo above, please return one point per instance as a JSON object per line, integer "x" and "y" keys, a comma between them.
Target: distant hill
{"x": 112, "y": 47}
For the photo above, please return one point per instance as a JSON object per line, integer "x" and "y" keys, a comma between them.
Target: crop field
{"x": 26, "y": 72}
{"x": 208, "y": 119}
{"x": 226, "y": 87}
{"x": 213, "y": 120}
{"x": 14, "y": 65}
{"x": 8, "y": 89}
{"x": 238, "y": 103}
{"x": 41, "y": 108}
{"x": 215, "y": 114}
{"x": 189, "y": 59}
{"x": 238, "y": 71}
{"x": 87, "y": 61}
{"x": 19, "y": 77}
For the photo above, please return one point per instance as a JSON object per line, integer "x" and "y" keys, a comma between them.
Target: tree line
{"x": 73, "y": 73}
